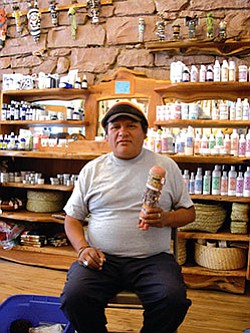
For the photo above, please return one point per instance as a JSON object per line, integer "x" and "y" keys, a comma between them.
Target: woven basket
{"x": 238, "y": 227}
{"x": 220, "y": 258}
{"x": 44, "y": 201}
{"x": 209, "y": 218}
{"x": 182, "y": 250}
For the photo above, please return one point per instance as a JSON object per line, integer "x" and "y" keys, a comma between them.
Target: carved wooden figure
{"x": 3, "y": 27}
{"x": 34, "y": 21}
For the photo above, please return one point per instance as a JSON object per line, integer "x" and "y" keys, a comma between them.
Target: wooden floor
{"x": 211, "y": 311}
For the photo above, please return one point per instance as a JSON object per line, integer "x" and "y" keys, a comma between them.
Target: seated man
{"x": 126, "y": 247}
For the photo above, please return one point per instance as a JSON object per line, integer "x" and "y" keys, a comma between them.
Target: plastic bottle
{"x": 232, "y": 111}
{"x": 185, "y": 74}
{"x": 84, "y": 84}
{"x": 239, "y": 184}
{"x": 184, "y": 111}
{"x": 197, "y": 144}
{"x": 217, "y": 73}
{"x": 204, "y": 144}
{"x": 198, "y": 182}
{"x": 167, "y": 141}
{"x": 242, "y": 146}
{"x": 194, "y": 74}
{"x": 219, "y": 139}
{"x": 186, "y": 178}
{"x": 223, "y": 110}
{"x": 202, "y": 73}
{"x": 211, "y": 142}
{"x": 209, "y": 74}
{"x": 207, "y": 183}
{"x": 224, "y": 71}
{"x": 248, "y": 144}
{"x": 246, "y": 185}
{"x": 189, "y": 142}
{"x": 242, "y": 73}
{"x": 239, "y": 109}
{"x": 234, "y": 143}
{"x": 158, "y": 142}
{"x": 224, "y": 183}
{"x": 245, "y": 109}
{"x": 232, "y": 175}
{"x": 191, "y": 183}
{"x": 231, "y": 71}
{"x": 227, "y": 144}
{"x": 180, "y": 144}
{"x": 216, "y": 180}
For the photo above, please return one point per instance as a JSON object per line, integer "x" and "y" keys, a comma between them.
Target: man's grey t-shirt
{"x": 110, "y": 191}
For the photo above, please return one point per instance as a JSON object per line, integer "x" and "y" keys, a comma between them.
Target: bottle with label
{"x": 194, "y": 74}
{"x": 245, "y": 109}
{"x": 189, "y": 142}
{"x": 186, "y": 178}
{"x": 231, "y": 71}
{"x": 197, "y": 144}
{"x": 232, "y": 175}
{"x": 185, "y": 74}
{"x": 191, "y": 183}
{"x": 207, "y": 183}
{"x": 224, "y": 71}
{"x": 198, "y": 182}
{"x": 216, "y": 180}
{"x": 217, "y": 71}
{"x": 239, "y": 184}
{"x": 202, "y": 73}
{"x": 224, "y": 183}
{"x": 219, "y": 139}
{"x": 167, "y": 141}
{"x": 238, "y": 109}
{"x": 242, "y": 146}
{"x": 211, "y": 142}
{"x": 234, "y": 143}
{"x": 209, "y": 74}
{"x": 246, "y": 185}
{"x": 232, "y": 111}
{"x": 227, "y": 144}
{"x": 158, "y": 142}
{"x": 242, "y": 73}
{"x": 248, "y": 144}
{"x": 204, "y": 144}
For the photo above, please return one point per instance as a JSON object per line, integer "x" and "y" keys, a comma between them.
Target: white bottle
{"x": 246, "y": 185}
{"x": 167, "y": 141}
{"x": 209, "y": 74}
{"x": 248, "y": 144}
{"x": 198, "y": 182}
{"x": 219, "y": 139}
{"x": 158, "y": 142}
{"x": 186, "y": 178}
{"x": 204, "y": 144}
{"x": 216, "y": 180}
{"x": 242, "y": 146}
{"x": 189, "y": 142}
{"x": 227, "y": 144}
{"x": 245, "y": 109}
{"x": 207, "y": 183}
{"x": 202, "y": 73}
{"x": 239, "y": 184}
{"x": 211, "y": 143}
{"x": 194, "y": 74}
{"x": 191, "y": 183}
{"x": 217, "y": 71}
{"x": 231, "y": 71}
{"x": 224, "y": 183}
{"x": 224, "y": 71}
{"x": 232, "y": 175}
{"x": 239, "y": 109}
{"x": 232, "y": 111}
{"x": 197, "y": 144}
{"x": 234, "y": 143}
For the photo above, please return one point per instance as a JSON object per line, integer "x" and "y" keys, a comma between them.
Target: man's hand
{"x": 92, "y": 258}
{"x": 151, "y": 217}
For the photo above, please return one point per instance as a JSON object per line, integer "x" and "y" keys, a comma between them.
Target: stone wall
{"x": 101, "y": 49}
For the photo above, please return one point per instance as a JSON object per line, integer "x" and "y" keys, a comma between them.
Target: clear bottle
{"x": 224, "y": 183}
{"x": 216, "y": 180}
{"x": 232, "y": 175}
{"x": 198, "y": 182}
{"x": 234, "y": 143}
{"x": 242, "y": 146}
{"x": 246, "y": 185}
{"x": 239, "y": 184}
{"x": 207, "y": 183}
{"x": 217, "y": 71}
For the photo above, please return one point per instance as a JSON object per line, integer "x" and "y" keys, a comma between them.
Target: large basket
{"x": 44, "y": 201}
{"x": 220, "y": 258}
{"x": 209, "y": 218}
{"x": 182, "y": 250}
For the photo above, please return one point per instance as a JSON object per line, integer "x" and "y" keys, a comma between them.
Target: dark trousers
{"x": 157, "y": 280}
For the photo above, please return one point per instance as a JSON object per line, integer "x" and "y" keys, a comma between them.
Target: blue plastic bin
{"x": 35, "y": 308}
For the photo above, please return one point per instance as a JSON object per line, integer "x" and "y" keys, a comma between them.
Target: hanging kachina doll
{"x": 3, "y": 27}
{"x": 17, "y": 16}
{"x": 34, "y": 21}
{"x": 53, "y": 13}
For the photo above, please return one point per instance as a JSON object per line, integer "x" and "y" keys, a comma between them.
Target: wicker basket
{"x": 209, "y": 218}
{"x": 44, "y": 201}
{"x": 220, "y": 258}
{"x": 182, "y": 250}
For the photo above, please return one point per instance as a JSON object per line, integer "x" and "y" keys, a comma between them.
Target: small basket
{"x": 44, "y": 201}
{"x": 220, "y": 258}
{"x": 182, "y": 250}
{"x": 209, "y": 218}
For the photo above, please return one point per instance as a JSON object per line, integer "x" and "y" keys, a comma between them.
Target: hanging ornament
{"x": 3, "y": 27}
{"x": 94, "y": 7}
{"x": 17, "y": 16}
{"x": 53, "y": 13}
{"x": 141, "y": 29}
{"x": 34, "y": 21}
{"x": 72, "y": 17}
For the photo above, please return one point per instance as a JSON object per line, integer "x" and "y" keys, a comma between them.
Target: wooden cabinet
{"x": 72, "y": 157}
{"x": 197, "y": 276}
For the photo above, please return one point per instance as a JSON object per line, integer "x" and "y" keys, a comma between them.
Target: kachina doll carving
{"x": 72, "y": 17}
{"x": 53, "y": 13}
{"x": 17, "y": 16}
{"x": 160, "y": 27}
{"x": 191, "y": 22}
{"x": 34, "y": 21}
{"x": 3, "y": 27}
{"x": 210, "y": 25}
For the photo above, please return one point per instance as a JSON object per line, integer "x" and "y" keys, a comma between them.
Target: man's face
{"x": 125, "y": 137}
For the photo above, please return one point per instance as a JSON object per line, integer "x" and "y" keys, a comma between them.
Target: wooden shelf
{"x": 203, "y": 123}
{"x": 228, "y": 47}
{"x": 217, "y": 236}
{"x": 41, "y": 123}
{"x": 39, "y": 187}
{"x": 222, "y": 198}
{"x": 194, "y": 91}
{"x": 211, "y": 159}
{"x": 27, "y": 216}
